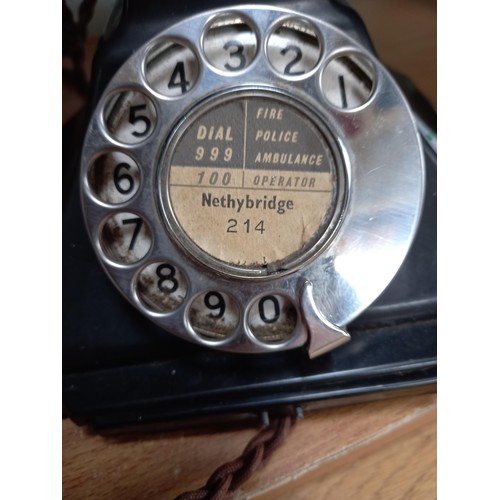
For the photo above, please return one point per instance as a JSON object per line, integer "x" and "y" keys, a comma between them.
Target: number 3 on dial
{"x": 230, "y": 44}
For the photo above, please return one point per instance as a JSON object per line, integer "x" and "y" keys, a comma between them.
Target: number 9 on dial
{"x": 214, "y": 315}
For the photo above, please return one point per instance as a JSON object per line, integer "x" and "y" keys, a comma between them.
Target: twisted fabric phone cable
{"x": 73, "y": 43}
{"x": 226, "y": 479}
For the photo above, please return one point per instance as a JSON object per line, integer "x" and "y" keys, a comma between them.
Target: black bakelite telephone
{"x": 250, "y": 219}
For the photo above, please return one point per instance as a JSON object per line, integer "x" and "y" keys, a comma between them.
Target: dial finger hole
{"x": 114, "y": 177}
{"x": 161, "y": 287}
{"x": 129, "y": 116}
{"x": 214, "y": 316}
{"x": 125, "y": 238}
{"x": 230, "y": 43}
{"x": 348, "y": 81}
{"x": 294, "y": 48}
{"x": 171, "y": 68}
{"x": 272, "y": 319}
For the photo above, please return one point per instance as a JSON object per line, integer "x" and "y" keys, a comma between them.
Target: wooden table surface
{"x": 378, "y": 450}
{"x": 384, "y": 449}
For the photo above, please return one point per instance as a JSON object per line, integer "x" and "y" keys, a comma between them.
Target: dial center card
{"x": 252, "y": 181}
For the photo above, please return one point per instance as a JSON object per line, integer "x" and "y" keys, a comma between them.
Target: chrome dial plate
{"x": 166, "y": 146}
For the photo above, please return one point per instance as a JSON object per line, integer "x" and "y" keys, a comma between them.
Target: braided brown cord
{"x": 226, "y": 479}
{"x": 74, "y": 37}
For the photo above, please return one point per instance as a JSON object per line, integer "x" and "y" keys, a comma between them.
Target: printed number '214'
{"x": 233, "y": 226}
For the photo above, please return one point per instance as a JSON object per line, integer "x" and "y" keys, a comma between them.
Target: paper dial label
{"x": 251, "y": 181}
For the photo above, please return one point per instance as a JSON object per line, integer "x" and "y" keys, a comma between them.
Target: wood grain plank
{"x": 163, "y": 465}
{"x": 397, "y": 464}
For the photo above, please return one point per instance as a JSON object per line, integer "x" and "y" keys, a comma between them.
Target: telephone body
{"x": 262, "y": 198}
